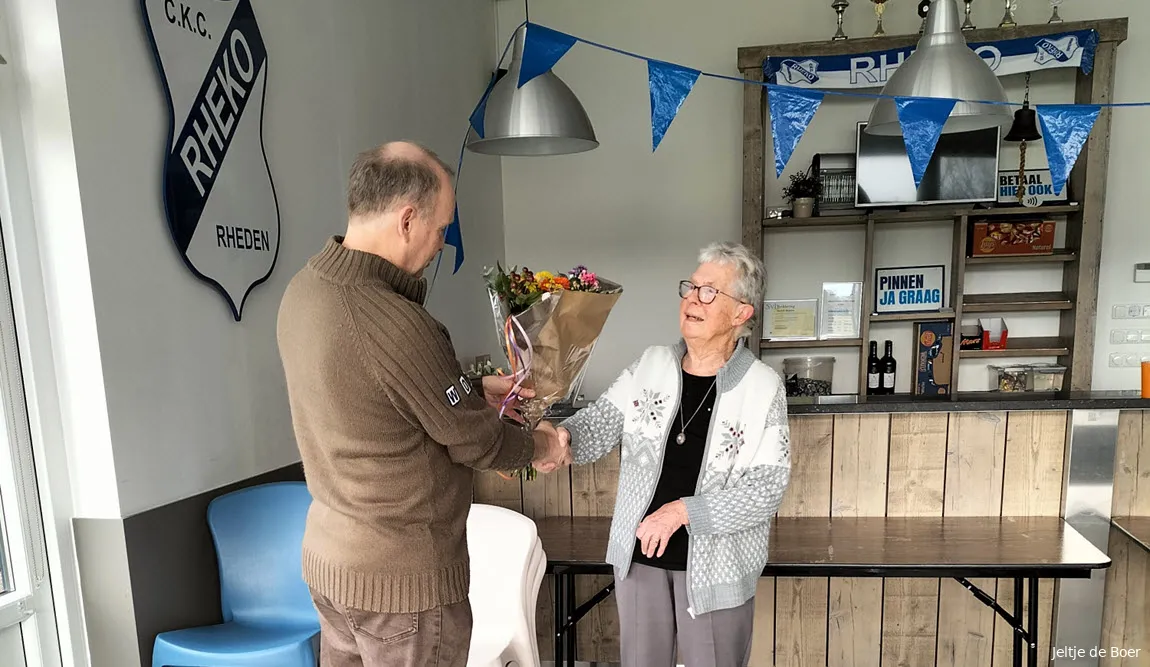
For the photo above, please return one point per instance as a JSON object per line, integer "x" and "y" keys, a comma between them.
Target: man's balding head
{"x": 400, "y": 173}
{"x": 400, "y": 202}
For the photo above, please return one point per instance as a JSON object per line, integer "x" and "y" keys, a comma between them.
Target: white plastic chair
{"x": 507, "y": 564}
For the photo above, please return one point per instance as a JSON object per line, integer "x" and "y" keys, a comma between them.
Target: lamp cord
{"x": 526, "y": 11}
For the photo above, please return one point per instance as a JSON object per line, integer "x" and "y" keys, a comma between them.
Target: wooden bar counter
{"x": 997, "y": 455}
{"x": 1126, "y": 617}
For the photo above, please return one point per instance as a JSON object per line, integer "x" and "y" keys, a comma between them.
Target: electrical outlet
{"x": 1129, "y": 336}
{"x": 1131, "y": 311}
{"x": 1123, "y": 360}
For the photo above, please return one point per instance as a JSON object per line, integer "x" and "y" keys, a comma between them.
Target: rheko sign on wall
{"x": 218, "y": 195}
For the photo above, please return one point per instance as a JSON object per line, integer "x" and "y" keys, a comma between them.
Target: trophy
{"x": 840, "y": 6}
{"x": 1055, "y": 18}
{"x": 1008, "y": 18}
{"x": 879, "y": 6}
{"x": 967, "y": 24}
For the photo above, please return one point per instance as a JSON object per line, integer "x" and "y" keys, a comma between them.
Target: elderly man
{"x": 388, "y": 427}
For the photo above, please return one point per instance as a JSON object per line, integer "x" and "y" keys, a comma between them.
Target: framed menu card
{"x": 841, "y": 315}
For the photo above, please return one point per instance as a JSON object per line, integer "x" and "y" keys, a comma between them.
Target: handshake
{"x": 552, "y": 447}
{"x": 552, "y": 444}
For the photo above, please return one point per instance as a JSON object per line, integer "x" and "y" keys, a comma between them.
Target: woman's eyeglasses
{"x": 707, "y": 293}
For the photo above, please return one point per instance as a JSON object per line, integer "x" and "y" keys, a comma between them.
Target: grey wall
{"x": 106, "y": 589}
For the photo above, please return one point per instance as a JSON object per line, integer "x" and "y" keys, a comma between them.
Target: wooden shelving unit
{"x": 1059, "y": 257}
{"x": 916, "y": 214}
{"x": 800, "y": 344}
{"x": 1082, "y": 216}
{"x": 1023, "y": 347}
{"x": 946, "y": 314}
{"x": 1018, "y": 302}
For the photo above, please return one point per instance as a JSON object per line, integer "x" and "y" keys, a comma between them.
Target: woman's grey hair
{"x": 750, "y": 276}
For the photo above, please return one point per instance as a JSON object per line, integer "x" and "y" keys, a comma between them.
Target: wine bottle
{"x": 873, "y": 385}
{"x": 888, "y": 368}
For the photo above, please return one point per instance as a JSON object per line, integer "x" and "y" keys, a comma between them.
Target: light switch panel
{"x": 1142, "y": 272}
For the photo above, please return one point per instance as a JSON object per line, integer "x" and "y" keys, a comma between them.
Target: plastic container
{"x": 1045, "y": 377}
{"x": 808, "y": 376}
{"x": 1146, "y": 377}
{"x": 1010, "y": 378}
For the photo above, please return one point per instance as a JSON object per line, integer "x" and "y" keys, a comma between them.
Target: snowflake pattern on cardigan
{"x": 649, "y": 409}
{"x": 731, "y": 440}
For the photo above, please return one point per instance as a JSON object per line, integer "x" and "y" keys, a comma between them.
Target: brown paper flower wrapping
{"x": 563, "y": 328}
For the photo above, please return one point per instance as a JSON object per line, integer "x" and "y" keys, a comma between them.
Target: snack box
{"x": 1016, "y": 237}
{"x": 971, "y": 337}
{"x": 934, "y": 349}
{"x": 1009, "y": 378}
{"x": 1045, "y": 377}
{"x": 994, "y": 333}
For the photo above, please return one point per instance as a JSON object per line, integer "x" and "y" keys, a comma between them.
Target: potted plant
{"x": 802, "y": 192}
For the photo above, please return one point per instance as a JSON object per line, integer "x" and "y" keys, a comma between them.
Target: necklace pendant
{"x": 681, "y": 438}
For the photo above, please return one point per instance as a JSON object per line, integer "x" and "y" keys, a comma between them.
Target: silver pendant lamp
{"x": 541, "y": 118}
{"x": 943, "y": 66}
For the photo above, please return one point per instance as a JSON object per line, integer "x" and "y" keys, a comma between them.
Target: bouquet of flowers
{"x": 548, "y": 324}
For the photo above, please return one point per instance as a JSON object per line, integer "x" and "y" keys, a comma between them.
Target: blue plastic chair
{"x": 269, "y": 617}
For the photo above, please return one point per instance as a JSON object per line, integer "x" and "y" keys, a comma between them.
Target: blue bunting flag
{"x": 480, "y": 110}
{"x": 922, "y": 119}
{"x": 1065, "y": 129}
{"x": 792, "y": 110}
{"x": 670, "y": 85}
{"x": 542, "y": 49}
{"x": 454, "y": 238}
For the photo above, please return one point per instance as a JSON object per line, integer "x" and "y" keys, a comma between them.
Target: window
{"x": 27, "y": 620}
{"x": 5, "y": 568}
{"x": 5, "y": 579}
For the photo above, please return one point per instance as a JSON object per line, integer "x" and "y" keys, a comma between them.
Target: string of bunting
{"x": 1065, "y": 127}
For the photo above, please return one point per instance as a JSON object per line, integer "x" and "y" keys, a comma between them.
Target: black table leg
{"x": 572, "y": 633}
{"x": 560, "y": 617}
{"x": 1018, "y": 616}
{"x": 1032, "y": 623}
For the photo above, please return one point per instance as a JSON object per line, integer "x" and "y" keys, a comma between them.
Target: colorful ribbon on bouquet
{"x": 519, "y": 357}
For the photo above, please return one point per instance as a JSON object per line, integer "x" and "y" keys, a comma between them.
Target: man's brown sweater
{"x": 389, "y": 430}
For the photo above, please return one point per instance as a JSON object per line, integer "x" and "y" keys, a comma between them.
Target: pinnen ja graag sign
{"x": 910, "y": 289}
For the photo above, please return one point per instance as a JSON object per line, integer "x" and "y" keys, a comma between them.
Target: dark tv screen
{"x": 963, "y": 169}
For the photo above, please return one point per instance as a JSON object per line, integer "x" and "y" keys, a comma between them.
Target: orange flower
{"x": 563, "y": 282}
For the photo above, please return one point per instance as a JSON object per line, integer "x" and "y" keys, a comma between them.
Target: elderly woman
{"x": 705, "y": 460}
